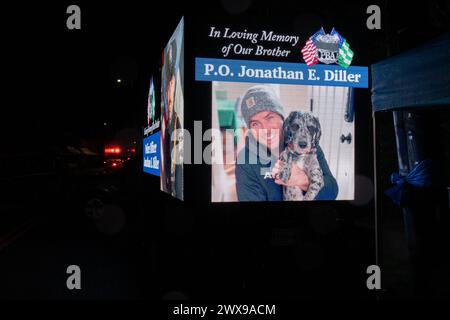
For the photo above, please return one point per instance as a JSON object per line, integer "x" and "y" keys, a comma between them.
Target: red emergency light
{"x": 113, "y": 150}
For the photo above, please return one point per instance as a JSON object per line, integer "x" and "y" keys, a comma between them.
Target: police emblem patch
{"x": 327, "y": 48}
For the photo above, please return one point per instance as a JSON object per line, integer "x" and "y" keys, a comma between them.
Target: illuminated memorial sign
{"x": 151, "y": 144}
{"x": 285, "y": 134}
{"x": 172, "y": 115}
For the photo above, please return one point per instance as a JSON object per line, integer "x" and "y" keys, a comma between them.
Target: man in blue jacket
{"x": 255, "y": 170}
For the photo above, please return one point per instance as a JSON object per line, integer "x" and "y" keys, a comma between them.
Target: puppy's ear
{"x": 287, "y": 132}
{"x": 316, "y": 131}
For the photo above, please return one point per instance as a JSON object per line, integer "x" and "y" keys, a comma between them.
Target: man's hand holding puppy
{"x": 263, "y": 113}
{"x": 298, "y": 177}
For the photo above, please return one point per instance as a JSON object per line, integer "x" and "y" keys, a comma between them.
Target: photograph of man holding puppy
{"x": 264, "y": 117}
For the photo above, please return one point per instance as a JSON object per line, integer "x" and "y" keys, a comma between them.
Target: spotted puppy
{"x": 301, "y": 139}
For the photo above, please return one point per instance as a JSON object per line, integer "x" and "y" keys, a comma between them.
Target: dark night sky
{"x": 65, "y": 81}
{"x": 60, "y": 87}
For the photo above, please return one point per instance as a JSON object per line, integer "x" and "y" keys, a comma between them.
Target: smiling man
{"x": 264, "y": 116}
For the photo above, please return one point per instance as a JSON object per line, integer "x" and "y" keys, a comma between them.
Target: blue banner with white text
{"x": 208, "y": 69}
{"x": 152, "y": 154}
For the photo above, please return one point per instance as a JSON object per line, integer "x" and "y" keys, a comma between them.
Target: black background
{"x": 61, "y": 85}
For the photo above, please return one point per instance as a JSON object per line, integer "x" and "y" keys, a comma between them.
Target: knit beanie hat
{"x": 260, "y": 98}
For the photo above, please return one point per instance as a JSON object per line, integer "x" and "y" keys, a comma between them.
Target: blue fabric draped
{"x": 416, "y": 78}
{"x": 421, "y": 176}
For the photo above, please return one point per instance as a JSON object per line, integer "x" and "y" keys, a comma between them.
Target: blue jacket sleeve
{"x": 330, "y": 189}
{"x": 247, "y": 185}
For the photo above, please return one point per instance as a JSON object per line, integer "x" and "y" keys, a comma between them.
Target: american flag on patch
{"x": 309, "y": 51}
